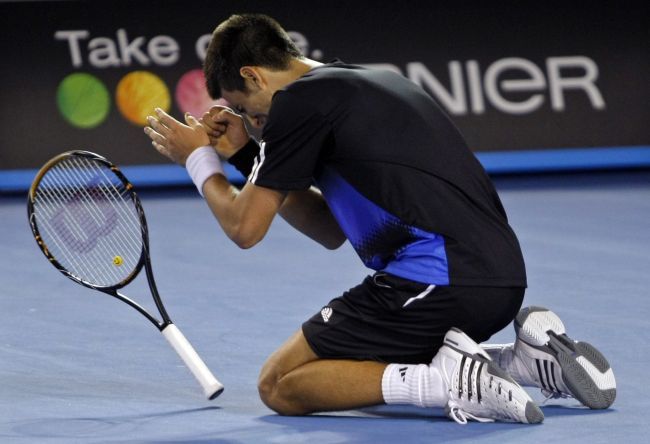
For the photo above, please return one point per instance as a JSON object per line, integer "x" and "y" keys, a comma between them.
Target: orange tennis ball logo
{"x": 139, "y": 93}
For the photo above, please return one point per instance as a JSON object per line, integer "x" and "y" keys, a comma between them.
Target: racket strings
{"x": 89, "y": 221}
{"x": 66, "y": 228}
{"x": 53, "y": 213}
{"x": 129, "y": 219}
{"x": 134, "y": 238}
{"x": 85, "y": 235}
{"x": 72, "y": 226}
{"x": 51, "y": 233}
{"x": 74, "y": 214}
{"x": 93, "y": 211}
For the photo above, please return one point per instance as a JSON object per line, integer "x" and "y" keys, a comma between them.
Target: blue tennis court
{"x": 77, "y": 366}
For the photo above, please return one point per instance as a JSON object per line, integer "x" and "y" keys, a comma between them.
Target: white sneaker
{"x": 477, "y": 388}
{"x": 557, "y": 364}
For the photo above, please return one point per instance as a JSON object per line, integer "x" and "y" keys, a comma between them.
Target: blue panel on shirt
{"x": 383, "y": 241}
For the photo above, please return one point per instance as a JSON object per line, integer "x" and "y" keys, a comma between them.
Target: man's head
{"x": 244, "y": 53}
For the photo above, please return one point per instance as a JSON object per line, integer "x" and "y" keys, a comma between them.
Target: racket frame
{"x": 211, "y": 386}
{"x": 143, "y": 261}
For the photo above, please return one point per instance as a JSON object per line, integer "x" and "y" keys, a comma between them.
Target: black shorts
{"x": 390, "y": 319}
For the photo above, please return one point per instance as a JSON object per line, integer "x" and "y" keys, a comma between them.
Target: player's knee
{"x": 265, "y": 387}
{"x": 276, "y": 393}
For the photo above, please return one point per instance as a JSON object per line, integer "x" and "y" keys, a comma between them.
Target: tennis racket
{"x": 89, "y": 223}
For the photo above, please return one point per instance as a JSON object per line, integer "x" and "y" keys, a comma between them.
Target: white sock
{"x": 416, "y": 384}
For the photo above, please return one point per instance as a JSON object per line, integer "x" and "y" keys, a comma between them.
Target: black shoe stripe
{"x": 541, "y": 376}
{"x": 548, "y": 378}
{"x": 553, "y": 375}
{"x": 478, "y": 381}
{"x": 552, "y": 371}
{"x": 460, "y": 376}
{"x": 469, "y": 380}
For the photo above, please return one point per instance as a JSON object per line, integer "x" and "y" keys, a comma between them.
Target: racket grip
{"x": 211, "y": 386}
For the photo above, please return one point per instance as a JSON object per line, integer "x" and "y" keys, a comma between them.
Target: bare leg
{"x": 294, "y": 381}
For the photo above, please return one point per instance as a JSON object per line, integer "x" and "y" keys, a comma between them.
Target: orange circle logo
{"x": 139, "y": 93}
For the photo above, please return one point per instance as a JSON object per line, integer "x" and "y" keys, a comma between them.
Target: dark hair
{"x": 245, "y": 40}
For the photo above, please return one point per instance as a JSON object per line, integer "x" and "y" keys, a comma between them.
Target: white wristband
{"x": 201, "y": 164}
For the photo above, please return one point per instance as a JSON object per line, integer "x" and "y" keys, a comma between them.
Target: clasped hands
{"x": 219, "y": 127}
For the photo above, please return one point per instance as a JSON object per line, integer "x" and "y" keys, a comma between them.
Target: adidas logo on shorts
{"x": 326, "y": 313}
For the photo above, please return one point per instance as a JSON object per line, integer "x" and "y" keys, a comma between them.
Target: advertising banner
{"x": 515, "y": 78}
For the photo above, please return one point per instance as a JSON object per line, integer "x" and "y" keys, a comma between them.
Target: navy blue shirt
{"x": 397, "y": 175}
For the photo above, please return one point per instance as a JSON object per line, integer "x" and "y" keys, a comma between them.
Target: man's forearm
{"x": 245, "y": 216}
{"x": 308, "y": 213}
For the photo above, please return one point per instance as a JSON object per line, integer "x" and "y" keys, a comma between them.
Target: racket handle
{"x": 211, "y": 386}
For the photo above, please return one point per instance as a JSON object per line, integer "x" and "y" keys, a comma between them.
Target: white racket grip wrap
{"x": 211, "y": 386}
{"x": 202, "y": 163}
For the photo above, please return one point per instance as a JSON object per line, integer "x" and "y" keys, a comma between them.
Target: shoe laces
{"x": 456, "y": 412}
{"x": 549, "y": 394}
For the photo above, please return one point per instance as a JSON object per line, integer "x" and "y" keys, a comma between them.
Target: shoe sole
{"x": 460, "y": 342}
{"x": 585, "y": 371}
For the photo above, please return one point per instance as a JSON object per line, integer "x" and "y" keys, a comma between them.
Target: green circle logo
{"x": 83, "y": 100}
